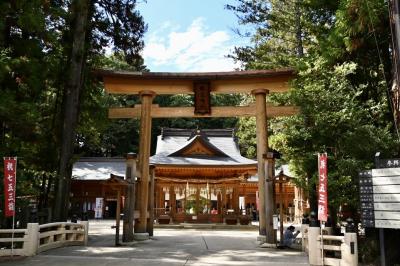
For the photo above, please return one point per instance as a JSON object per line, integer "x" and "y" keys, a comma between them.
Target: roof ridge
{"x": 226, "y": 132}
{"x": 100, "y": 159}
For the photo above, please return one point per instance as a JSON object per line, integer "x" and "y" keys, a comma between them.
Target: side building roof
{"x": 99, "y": 168}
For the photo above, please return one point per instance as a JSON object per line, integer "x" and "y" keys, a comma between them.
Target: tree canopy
{"x": 341, "y": 52}
{"x": 39, "y": 47}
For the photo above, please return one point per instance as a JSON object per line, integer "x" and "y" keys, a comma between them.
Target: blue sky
{"x": 189, "y": 35}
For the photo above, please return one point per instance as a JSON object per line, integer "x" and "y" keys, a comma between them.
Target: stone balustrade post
{"x": 32, "y": 243}
{"x": 349, "y": 247}
{"x": 304, "y": 237}
{"x": 314, "y": 245}
{"x": 86, "y": 228}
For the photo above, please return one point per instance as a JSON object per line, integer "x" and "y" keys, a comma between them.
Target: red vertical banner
{"x": 323, "y": 187}
{"x": 10, "y": 173}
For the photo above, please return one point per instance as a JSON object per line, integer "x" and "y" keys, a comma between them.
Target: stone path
{"x": 168, "y": 247}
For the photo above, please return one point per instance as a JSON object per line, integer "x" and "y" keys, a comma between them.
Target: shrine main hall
{"x": 199, "y": 177}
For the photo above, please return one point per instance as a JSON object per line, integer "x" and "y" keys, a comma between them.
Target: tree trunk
{"x": 299, "y": 30}
{"x": 395, "y": 21}
{"x": 72, "y": 91}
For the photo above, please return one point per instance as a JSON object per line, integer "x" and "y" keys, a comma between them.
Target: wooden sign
{"x": 202, "y": 104}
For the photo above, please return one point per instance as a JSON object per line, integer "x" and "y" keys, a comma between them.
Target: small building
{"x": 200, "y": 176}
{"x": 96, "y": 181}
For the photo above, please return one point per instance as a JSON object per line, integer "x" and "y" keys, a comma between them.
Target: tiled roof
{"x": 98, "y": 168}
{"x": 173, "y": 140}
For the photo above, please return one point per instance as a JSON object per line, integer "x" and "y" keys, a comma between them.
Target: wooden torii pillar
{"x": 142, "y": 232}
{"x": 147, "y": 84}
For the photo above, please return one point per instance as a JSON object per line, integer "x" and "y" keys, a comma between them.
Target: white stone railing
{"x": 344, "y": 247}
{"x": 38, "y": 238}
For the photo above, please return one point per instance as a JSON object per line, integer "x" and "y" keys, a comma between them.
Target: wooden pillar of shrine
{"x": 235, "y": 199}
{"x": 197, "y": 199}
{"x": 118, "y": 216}
{"x": 281, "y": 211}
{"x": 172, "y": 201}
{"x": 138, "y": 193}
{"x": 265, "y": 227}
{"x": 103, "y": 195}
{"x": 209, "y": 204}
{"x": 129, "y": 210}
{"x": 270, "y": 206}
{"x": 223, "y": 200}
{"x": 144, "y": 155}
{"x": 162, "y": 200}
{"x": 150, "y": 221}
{"x": 219, "y": 202}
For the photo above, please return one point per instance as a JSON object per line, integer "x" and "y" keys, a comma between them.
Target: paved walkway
{"x": 168, "y": 247}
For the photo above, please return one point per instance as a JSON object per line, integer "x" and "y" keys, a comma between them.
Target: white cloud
{"x": 193, "y": 49}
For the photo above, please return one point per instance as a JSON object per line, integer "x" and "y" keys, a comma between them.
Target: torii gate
{"x": 148, "y": 84}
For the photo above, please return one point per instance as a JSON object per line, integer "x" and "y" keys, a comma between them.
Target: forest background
{"x": 53, "y": 109}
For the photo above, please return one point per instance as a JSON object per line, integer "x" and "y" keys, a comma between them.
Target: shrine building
{"x": 199, "y": 177}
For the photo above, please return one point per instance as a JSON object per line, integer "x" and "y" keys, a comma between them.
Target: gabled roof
{"x": 221, "y": 143}
{"x": 198, "y": 146}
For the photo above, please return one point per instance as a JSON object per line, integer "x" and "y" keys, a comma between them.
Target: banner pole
{"x": 322, "y": 241}
{"x": 15, "y": 207}
{"x": 12, "y": 236}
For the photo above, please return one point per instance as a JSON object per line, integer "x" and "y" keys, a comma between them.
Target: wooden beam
{"x": 275, "y": 84}
{"x": 117, "y": 85}
{"x": 216, "y": 111}
{"x": 120, "y": 82}
{"x": 126, "y": 86}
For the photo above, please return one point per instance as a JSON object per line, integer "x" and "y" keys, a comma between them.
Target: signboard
{"x": 388, "y": 163}
{"x": 10, "y": 173}
{"x": 202, "y": 104}
{"x": 275, "y": 221}
{"x": 98, "y": 210}
{"x": 380, "y": 196}
{"x": 323, "y": 187}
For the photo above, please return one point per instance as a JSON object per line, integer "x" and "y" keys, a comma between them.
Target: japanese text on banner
{"x": 323, "y": 187}
{"x": 10, "y": 171}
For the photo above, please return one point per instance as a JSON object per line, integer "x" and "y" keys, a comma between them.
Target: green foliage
{"x": 35, "y": 40}
{"x": 340, "y": 50}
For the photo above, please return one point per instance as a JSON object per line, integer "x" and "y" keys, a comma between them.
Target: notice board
{"x": 380, "y": 195}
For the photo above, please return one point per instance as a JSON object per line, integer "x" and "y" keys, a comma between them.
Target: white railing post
{"x": 32, "y": 242}
{"x": 314, "y": 246}
{"x": 349, "y": 250}
{"x": 304, "y": 237}
{"x": 63, "y": 234}
{"x": 349, "y": 247}
{"x": 86, "y": 234}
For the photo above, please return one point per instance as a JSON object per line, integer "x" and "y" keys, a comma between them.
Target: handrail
{"x": 330, "y": 237}
{"x": 344, "y": 247}
{"x": 42, "y": 226}
{"x": 37, "y": 238}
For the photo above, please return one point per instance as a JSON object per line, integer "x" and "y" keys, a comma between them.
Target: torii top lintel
{"x": 122, "y": 82}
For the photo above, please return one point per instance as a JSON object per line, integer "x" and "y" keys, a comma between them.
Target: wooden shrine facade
{"x": 199, "y": 175}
